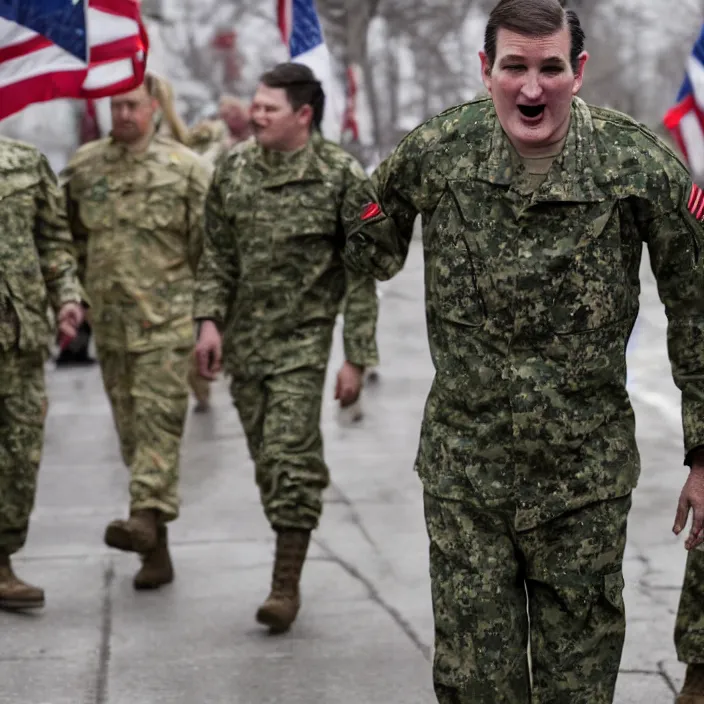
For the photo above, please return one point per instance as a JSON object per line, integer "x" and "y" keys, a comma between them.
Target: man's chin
{"x": 263, "y": 141}
{"x": 125, "y": 135}
{"x": 533, "y": 134}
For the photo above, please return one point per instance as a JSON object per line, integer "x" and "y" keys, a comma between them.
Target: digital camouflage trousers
{"x": 22, "y": 412}
{"x": 689, "y": 626}
{"x": 280, "y": 415}
{"x": 557, "y": 587}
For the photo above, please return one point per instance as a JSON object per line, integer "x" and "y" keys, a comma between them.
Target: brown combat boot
{"x": 137, "y": 534}
{"x": 157, "y": 568}
{"x": 693, "y": 689}
{"x": 280, "y": 609}
{"x": 16, "y": 595}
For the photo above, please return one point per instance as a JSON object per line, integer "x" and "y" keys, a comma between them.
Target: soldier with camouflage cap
{"x": 270, "y": 282}
{"x": 135, "y": 204}
{"x": 535, "y": 209}
{"x": 37, "y": 271}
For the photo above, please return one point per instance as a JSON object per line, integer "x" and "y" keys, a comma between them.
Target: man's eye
{"x": 552, "y": 69}
{"x": 514, "y": 67}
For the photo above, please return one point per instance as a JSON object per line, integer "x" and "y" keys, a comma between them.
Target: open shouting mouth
{"x": 532, "y": 112}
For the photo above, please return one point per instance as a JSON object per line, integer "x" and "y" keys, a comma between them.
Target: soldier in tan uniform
{"x": 135, "y": 203}
{"x": 37, "y": 272}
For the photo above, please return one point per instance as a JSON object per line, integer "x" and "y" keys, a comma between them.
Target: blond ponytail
{"x": 160, "y": 89}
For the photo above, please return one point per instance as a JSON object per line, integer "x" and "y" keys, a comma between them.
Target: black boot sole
{"x": 20, "y": 605}
{"x": 150, "y": 586}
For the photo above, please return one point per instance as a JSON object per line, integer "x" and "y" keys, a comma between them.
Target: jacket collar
{"x": 281, "y": 168}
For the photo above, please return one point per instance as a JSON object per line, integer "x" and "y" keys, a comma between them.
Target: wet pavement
{"x": 364, "y": 634}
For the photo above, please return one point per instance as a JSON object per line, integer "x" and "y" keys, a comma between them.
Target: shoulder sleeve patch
{"x": 371, "y": 210}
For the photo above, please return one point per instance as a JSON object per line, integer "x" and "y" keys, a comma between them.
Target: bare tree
{"x": 638, "y": 54}
{"x": 196, "y": 63}
{"x": 410, "y": 54}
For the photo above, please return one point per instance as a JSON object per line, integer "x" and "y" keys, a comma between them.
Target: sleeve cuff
{"x": 207, "y": 311}
{"x": 696, "y": 453}
{"x": 362, "y": 354}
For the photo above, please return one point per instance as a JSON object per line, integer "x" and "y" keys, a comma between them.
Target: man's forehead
{"x": 269, "y": 95}
{"x": 133, "y": 96}
{"x": 513, "y": 44}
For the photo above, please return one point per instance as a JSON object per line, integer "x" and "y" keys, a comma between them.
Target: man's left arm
{"x": 360, "y": 313}
{"x": 361, "y": 305}
{"x": 54, "y": 243}
{"x": 198, "y": 182}
{"x": 675, "y": 240}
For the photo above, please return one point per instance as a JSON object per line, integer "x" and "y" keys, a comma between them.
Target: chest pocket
{"x": 19, "y": 263}
{"x": 302, "y": 221}
{"x": 591, "y": 289}
{"x": 165, "y": 202}
{"x": 95, "y": 204}
{"x": 158, "y": 204}
{"x": 17, "y": 207}
{"x": 454, "y": 269}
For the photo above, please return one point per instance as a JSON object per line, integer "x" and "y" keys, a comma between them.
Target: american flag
{"x": 303, "y": 36}
{"x": 685, "y": 120}
{"x": 68, "y": 49}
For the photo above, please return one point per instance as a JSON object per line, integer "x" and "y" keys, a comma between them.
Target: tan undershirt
{"x": 540, "y": 161}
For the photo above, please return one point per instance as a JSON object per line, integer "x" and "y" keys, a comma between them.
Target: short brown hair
{"x": 301, "y": 86}
{"x": 534, "y": 18}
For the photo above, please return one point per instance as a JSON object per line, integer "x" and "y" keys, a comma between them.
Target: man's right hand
{"x": 692, "y": 497}
{"x": 209, "y": 350}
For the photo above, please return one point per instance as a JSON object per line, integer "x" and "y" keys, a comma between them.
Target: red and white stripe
{"x": 284, "y": 14}
{"x": 33, "y": 69}
{"x": 695, "y": 204}
{"x": 686, "y": 124}
{"x": 686, "y": 119}
{"x": 349, "y": 122}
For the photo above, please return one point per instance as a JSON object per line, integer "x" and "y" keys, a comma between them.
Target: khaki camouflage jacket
{"x": 271, "y": 274}
{"x": 136, "y": 219}
{"x": 531, "y": 298}
{"x": 37, "y": 264}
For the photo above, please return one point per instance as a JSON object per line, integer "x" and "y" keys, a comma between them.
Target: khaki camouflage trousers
{"x": 281, "y": 419}
{"x": 148, "y": 393}
{"x": 488, "y": 581}
{"x": 22, "y": 411}
{"x": 689, "y": 627}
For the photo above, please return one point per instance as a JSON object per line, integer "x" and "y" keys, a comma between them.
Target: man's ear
{"x": 305, "y": 115}
{"x": 579, "y": 76}
{"x": 486, "y": 71}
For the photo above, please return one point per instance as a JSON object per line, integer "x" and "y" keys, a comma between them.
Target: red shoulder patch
{"x": 695, "y": 205}
{"x": 370, "y": 211}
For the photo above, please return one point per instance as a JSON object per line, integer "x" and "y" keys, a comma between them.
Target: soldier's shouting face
{"x": 532, "y": 84}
